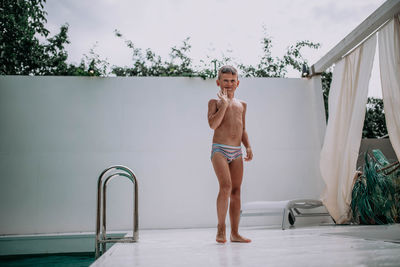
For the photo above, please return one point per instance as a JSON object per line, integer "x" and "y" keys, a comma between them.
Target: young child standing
{"x": 226, "y": 116}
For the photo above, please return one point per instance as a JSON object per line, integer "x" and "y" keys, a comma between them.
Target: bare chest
{"x": 234, "y": 112}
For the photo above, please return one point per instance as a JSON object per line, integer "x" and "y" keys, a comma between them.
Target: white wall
{"x": 58, "y": 133}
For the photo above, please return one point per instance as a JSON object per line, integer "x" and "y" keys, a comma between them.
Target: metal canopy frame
{"x": 368, "y": 27}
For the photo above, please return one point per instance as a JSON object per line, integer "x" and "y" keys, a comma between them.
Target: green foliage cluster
{"x": 90, "y": 65}
{"x": 326, "y": 78}
{"x": 376, "y": 192}
{"x": 375, "y": 122}
{"x": 277, "y": 67}
{"x": 21, "y": 26}
{"x": 27, "y": 49}
{"x": 147, "y": 63}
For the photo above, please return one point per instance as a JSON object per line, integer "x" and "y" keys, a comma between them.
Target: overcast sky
{"x": 214, "y": 26}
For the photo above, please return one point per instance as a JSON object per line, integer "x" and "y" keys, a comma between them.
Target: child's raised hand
{"x": 223, "y": 96}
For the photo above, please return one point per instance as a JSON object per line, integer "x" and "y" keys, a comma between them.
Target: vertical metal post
{"x": 103, "y": 226}
{"x": 135, "y": 212}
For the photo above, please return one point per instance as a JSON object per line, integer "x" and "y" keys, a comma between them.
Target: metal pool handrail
{"x": 102, "y": 182}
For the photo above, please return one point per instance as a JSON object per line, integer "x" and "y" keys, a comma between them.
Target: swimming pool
{"x": 61, "y": 260}
{"x": 68, "y": 249}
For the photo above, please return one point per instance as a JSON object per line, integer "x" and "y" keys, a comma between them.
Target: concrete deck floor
{"x": 327, "y": 245}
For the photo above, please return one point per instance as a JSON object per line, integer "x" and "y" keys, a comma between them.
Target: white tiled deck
{"x": 327, "y": 245}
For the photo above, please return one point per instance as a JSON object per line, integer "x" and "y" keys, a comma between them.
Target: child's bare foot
{"x": 239, "y": 238}
{"x": 221, "y": 237}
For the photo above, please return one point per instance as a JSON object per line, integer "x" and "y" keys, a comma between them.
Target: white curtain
{"x": 347, "y": 101}
{"x": 389, "y": 60}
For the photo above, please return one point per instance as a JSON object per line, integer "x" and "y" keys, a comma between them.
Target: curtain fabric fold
{"x": 389, "y": 64}
{"x": 347, "y": 101}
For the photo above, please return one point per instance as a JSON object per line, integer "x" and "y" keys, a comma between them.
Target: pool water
{"x": 62, "y": 260}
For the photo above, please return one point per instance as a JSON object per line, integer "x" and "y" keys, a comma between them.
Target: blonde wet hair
{"x": 227, "y": 69}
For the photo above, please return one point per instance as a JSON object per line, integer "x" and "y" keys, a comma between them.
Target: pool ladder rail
{"x": 102, "y": 239}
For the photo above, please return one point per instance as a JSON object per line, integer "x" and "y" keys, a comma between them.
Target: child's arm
{"x": 245, "y": 137}
{"x": 215, "y": 116}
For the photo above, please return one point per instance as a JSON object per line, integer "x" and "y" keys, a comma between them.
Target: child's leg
{"x": 221, "y": 169}
{"x": 236, "y": 170}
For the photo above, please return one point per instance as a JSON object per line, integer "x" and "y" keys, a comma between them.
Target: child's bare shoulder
{"x": 212, "y": 102}
{"x": 244, "y": 104}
